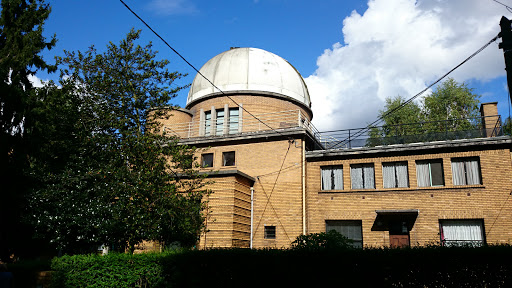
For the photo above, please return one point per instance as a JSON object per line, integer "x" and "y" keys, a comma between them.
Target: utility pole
{"x": 506, "y": 45}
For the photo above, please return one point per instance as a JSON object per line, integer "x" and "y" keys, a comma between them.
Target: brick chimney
{"x": 491, "y": 122}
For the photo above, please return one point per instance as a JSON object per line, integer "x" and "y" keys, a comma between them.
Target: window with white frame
{"x": 233, "y": 120}
{"x": 462, "y": 232}
{"x": 430, "y": 173}
{"x": 352, "y": 229}
{"x": 332, "y": 177}
{"x": 395, "y": 175}
{"x": 466, "y": 171}
{"x": 362, "y": 176}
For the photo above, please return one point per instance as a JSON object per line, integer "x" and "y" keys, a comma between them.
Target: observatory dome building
{"x": 274, "y": 176}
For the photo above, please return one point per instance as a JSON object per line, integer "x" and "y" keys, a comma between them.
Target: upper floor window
{"x": 219, "y": 122}
{"x": 466, "y": 171}
{"x": 207, "y": 160}
{"x": 430, "y": 173}
{"x": 395, "y": 175}
{"x": 270, "y": 232}
{"x": 233, "y": 120}
{"x": 362, "y": 176}
{"x": 332, "y": 177}
{"x": 207, "y": 123}
{"x": 228, "y": 158}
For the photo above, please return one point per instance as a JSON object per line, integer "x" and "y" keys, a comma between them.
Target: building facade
{"x": 276, "y": 177}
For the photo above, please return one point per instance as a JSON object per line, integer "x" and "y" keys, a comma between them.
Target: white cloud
{"x": 398, "y": 47}
{"x": 172, "y": 7}
{"x": 36, "y": 82}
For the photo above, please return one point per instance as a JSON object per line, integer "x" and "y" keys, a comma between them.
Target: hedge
{"x": 413, "y": 267}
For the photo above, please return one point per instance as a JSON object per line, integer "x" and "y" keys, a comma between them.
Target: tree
{"x": 507, "y": 126}
{"x": 451, "y": 108}
{"x": 122, "y": 182}
{"x": 21, "y": 42}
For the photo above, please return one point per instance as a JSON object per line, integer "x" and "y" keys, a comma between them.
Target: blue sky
{"x": 353, "y": 54}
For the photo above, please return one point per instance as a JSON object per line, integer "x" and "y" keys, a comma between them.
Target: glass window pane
{"x": 228, "y": 158}
{"x": 207, "y": 160}
{"x": 436, "y": 171}
{"x": 233, "y": 120}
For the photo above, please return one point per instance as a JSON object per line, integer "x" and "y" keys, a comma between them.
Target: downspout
{"x": 252, "y": 212}
{"x": 304, "y": 187}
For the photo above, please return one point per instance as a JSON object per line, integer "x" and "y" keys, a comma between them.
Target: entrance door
{"x": 399, "y": 234}
{"x": 399, "y": 241}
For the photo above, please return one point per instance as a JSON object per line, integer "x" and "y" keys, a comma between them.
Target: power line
{"x": 506, "y": 6}
{"x": 381, "y": 118}
{"x": 195, "y": 69}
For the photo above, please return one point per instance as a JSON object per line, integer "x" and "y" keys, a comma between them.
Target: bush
{"x": 331, "y": 240}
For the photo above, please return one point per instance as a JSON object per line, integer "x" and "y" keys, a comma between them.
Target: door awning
{"x": 386, "y": 218}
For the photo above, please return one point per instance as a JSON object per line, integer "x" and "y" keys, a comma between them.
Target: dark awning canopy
{"x": 385, "y": 218}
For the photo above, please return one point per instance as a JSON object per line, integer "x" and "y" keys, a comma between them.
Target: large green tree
{"x": 121, "y": 182}
{"x": 21, "y": 44}
{"x": 451, "y": 109}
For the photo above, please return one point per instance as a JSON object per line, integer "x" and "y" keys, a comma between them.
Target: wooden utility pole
{"x": 506, "y": 45}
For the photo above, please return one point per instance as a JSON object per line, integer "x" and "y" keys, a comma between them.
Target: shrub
{"x": 331, "y": 240}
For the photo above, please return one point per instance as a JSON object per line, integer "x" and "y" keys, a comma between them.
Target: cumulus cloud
{"x": 172, "y": 7}
{"x": 398, "y": 47}
{"x": 35, "y": 81}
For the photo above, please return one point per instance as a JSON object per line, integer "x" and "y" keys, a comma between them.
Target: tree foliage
{"x": 451, "y": 108}
{"x": 120, "y": 182}
{"x": 21, "y": 44}
{"x": 330, "y": 240}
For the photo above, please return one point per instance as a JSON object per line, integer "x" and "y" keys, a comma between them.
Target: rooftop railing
{"x": 451, "y": 129}
{"x": 242, "y": 125}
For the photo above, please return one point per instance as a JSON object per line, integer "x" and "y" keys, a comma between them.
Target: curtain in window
{"x": 356, "y": 177}
{"x": 369, "y": 177}
{"x": 338, "y": 177}
{"x": 402, "y": 175}
{"x": 473, "y": 172}
{"x": 423, "y": 174}
{"x": 462, "y": 230}
{"x": 326, "y": 178}
{"x": 388, "y": 175}
{"x": 459, "y": 177}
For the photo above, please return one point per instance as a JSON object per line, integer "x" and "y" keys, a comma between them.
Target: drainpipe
{"x": 304, "y": 187}
{"x": 252, "y": 212}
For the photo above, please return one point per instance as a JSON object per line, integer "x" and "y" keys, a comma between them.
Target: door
{"x": 399, "y": 241}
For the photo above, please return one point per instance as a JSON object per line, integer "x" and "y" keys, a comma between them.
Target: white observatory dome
{"x": 249, "y": 71}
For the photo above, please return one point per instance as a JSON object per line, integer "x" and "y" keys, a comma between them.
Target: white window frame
{"x": 332, "y": 177}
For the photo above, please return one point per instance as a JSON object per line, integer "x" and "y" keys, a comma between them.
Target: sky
{"x": 352, "y": 53}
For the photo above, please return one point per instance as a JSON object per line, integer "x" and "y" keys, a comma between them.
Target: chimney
{"x": 491, "y": 122}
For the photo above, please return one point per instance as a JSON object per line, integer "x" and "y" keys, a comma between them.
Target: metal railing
{"x": 451, "y": 129}
{"x": 243, "y": 124}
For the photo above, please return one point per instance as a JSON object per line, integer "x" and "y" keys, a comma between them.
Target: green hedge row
{"x": 416, "y": 267}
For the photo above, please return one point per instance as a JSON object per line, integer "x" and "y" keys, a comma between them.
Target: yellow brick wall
{"x": 490, "y": 201}
{"x": 275, "y": 203}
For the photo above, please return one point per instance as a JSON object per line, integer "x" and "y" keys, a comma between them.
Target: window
{"x": 228, "y": 158}
{"x": 332, "y": 177}
{"x": 219, "y": 122}
{"x": 395, "y": 175}
{"x": 270, "y": 232}
{"x": 362, "y": 176}
{"x": 207, "y": 160}
{"x": 352, "y": 229}
{"x": 466, "y": 171}
{"x": 461, "y": 232}
{"x": 207, "y": 123}
{"x": 233, "y": 120}
{"x": 430, "y": 173}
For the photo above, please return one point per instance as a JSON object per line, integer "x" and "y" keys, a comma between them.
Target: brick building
{"x": 276, "y": 177}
